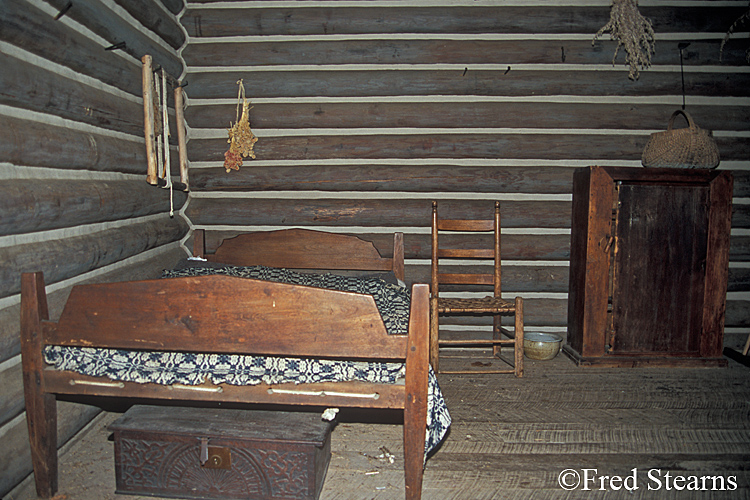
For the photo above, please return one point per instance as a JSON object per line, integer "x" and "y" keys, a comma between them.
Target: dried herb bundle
{"x": 241, "y": 138}
{"x": 633, "y": 32}
{"x": 740, "y": 21}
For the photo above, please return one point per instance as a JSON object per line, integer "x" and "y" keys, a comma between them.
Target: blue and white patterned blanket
{"x": 194, "y": 368}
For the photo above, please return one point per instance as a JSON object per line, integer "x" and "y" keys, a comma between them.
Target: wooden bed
{"x": 224, "y": 314}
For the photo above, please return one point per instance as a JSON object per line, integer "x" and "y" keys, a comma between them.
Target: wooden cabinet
{"x": 648, "y": 266}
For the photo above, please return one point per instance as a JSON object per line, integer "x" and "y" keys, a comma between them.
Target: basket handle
{"x": 687, "y": 116}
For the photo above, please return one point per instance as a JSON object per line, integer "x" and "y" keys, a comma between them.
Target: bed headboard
{"x": 303, "y": 249}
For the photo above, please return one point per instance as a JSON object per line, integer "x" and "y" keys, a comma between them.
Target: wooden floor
{"x": 517, "y": 438}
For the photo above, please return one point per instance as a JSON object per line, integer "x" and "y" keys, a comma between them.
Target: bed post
{"x": 415, "y": 406}
{"x": 199, "y": 243}
{"x": 398, "y": 256}
{"x": 41, "y": 408}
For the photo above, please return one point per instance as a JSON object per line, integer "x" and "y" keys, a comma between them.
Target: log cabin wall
{"x": 73, "y": 195}
{"x": 366, "y": 111}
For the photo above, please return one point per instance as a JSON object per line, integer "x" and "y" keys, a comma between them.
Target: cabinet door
{"x": 659, "y": 268}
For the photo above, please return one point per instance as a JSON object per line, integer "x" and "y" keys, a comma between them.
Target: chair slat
{"x": 466, "y": 279}
{"x": 466, "y": 225}
{"x": 466, "y": 253}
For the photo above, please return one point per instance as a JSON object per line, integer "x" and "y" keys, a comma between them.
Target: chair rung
{"x": 475, "y": 372}
{"x": 477, "y": 342}
{"x": 504, "y": 312}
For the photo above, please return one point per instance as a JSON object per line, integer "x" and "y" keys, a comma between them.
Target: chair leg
{"x": 497, "y": 334}
{"x": 434, "y": 345}
{"x": 519, "y": 337}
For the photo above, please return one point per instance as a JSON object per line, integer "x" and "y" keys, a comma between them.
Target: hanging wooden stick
{"x": 167, "y": 167}
{"x": 165, "y": 134}
{"x": 179, "y": 112}
{"x": 148, "y": 119}
{"x": 156, "y": 126}
{"x": 158, "y": 130}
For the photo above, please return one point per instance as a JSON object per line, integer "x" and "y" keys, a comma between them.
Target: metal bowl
{"x": 541, "y": 346}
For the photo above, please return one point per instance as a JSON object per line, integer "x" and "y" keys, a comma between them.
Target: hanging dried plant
{"x": 744, "y": 18}
{"x": 241, "y": 138}
{"x": 633, "y": 32}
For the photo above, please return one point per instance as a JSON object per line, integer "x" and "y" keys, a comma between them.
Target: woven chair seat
{"x": 485, "y": 305}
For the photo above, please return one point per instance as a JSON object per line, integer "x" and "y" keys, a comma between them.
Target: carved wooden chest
{"x": 221, "y": 453}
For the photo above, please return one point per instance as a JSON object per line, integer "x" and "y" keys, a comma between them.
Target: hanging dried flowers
{"x": 739, "y": 22}
{"x": 241, "y": 138}
{"x": 633, "y": 32}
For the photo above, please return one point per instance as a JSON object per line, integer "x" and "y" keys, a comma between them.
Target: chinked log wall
{"x": 367, "y": 112}
{"x": 364, "y": 114}
{"x": 73, "y": 193}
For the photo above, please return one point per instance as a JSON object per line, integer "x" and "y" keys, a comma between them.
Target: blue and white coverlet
{"x": 193, "y": 369}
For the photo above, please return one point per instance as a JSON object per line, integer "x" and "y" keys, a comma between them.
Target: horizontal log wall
{"x": 368, "y": 111}
{"x": 73, "y": 194}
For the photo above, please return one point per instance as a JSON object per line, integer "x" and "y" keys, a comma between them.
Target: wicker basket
{"x": 690, "y": 147}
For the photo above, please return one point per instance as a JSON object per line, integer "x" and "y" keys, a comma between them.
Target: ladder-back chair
{"x": 490, "y": 305}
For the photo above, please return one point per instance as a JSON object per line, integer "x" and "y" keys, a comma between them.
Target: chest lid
{"x": 289, "y": 427}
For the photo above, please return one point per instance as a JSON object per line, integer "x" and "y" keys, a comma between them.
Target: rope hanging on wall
{"x": 241, "y": 138}
{"x": 633, "y": 32}
{"x": 167, "y": 169}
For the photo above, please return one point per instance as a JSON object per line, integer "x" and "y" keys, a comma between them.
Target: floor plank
{"x": 513, "y": 438}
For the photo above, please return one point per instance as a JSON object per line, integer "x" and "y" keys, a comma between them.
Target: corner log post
{"x": 41, "y": 407}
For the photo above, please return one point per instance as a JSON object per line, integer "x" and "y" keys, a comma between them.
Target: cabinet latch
{"x": 607, "y": 243}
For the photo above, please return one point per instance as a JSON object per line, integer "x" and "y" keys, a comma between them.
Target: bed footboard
{"x": 42, "y": 384}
